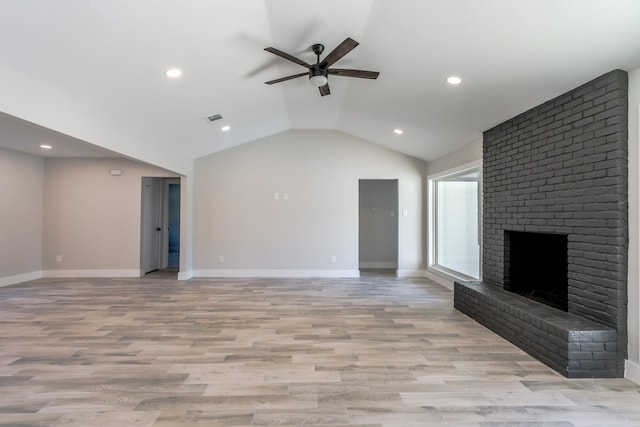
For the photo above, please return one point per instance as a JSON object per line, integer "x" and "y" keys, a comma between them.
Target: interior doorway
{"x": 378, "y": 227}
{"x": 173, "y": 223}
{"x": 160, "y": 226}
{"x": 151, "y": 229}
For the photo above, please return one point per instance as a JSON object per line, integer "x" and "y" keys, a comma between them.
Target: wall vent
{"x": 214, "y": 117}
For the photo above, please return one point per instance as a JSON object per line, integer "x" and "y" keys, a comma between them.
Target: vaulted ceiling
{"x": 94, "y": 70}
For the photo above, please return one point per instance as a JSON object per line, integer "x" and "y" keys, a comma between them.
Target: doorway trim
{"x": 167, "y": 182}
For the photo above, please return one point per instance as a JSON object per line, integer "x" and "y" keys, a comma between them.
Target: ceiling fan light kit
{"x": 319, "y": 72}
{"x": 318, "y": 77}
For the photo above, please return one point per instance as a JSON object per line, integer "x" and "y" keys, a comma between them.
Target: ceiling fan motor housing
{"x": 315, "y": 70}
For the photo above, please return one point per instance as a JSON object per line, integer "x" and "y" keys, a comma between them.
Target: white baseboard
{"x": 386, "y": 265}
{"x": 277, "y": 273}
{"x": 632, "y": 371}
{"x": 186, "y": 275}
{"x": 447, "y": 283}
{"x": 19, "y": 278}
{"x": 76, "y": 274}
{"x": 410, "y": 273}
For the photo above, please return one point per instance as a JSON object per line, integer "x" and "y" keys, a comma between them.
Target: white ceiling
{"x": 109, "y": 58}
{"x": 19, "y": 135}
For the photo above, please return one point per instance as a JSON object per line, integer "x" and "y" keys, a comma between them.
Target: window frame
{"x": 432, "y": 181}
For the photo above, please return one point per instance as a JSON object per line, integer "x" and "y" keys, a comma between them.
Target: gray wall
{"x": 92, "y": 219}
{"x": 21, "y": 190}
{"x": 237, "y": 217}
{"x": 470, "y": 153}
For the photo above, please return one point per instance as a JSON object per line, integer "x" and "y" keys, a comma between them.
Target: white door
{"x": 151, "y": 224}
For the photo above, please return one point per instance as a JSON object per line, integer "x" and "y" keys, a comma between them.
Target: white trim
{"x": 456, "y": 169}
{"x": 632, "y": 371}
{"x": 410, "y": 273}
{"x": 447, "y": 282}
{"x": 379, "y": 264}
{"x": 431, "y": 225}
{"x": 277, "y": 273}
{"x": 19, "y": 278}
{"x": 73, "y": 274}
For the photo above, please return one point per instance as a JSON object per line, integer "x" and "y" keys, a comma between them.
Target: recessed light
{"x": 225, "y": 128}
{"x": 173, "y": 73}
{"x": 453, "y": 80}
{"x": 46, "y": 146}
{"x": 398, "y": 131}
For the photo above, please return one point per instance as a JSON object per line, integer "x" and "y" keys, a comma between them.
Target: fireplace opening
{"x": 536, "y": 267}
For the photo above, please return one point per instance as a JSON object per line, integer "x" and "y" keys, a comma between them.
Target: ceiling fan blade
{"x": 354, "y": 73}
{"x": 282, "y": 79}
{"x": 324, "y": 90}
{"x": 340, "y": 51}
{"x": 287, "y": 56}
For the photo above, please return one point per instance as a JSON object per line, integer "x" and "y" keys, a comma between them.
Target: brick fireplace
{"x": 559, "y": 169}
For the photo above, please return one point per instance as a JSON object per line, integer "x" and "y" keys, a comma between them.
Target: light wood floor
{"x": 318, "y": 352}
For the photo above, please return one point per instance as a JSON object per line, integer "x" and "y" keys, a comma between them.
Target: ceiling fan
{"x": 319, "y": 72}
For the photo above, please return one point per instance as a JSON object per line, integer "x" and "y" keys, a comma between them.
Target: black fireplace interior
{"x": 537, "y": 267}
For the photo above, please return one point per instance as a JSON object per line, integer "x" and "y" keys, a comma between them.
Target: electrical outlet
{"x": 221, "y": 259}
{"x": 333, "y": 258}
{"x": 58, "y": 258}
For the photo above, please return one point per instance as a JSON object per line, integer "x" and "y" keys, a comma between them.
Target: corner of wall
{"x": 410, "y": 273}
{"x": 185, "y": 275}
{"x": 446, "y": 282}
{"x": 632, "y": 371}
{"x": 633, "y": 287}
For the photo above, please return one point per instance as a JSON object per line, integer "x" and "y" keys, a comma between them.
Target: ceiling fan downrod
{"x": 317, "y": 75}
{"x": 317, "y": 49}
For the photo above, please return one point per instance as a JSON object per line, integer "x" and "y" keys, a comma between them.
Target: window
{"x": 455, "y": 222}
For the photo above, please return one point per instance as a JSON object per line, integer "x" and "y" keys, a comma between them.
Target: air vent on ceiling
{"x": 214, "y": 117}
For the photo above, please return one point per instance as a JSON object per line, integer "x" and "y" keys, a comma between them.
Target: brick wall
{"x": 561, "y": 167}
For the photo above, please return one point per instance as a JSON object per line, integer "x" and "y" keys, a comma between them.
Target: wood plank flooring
{"x": 367, "y": 352}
